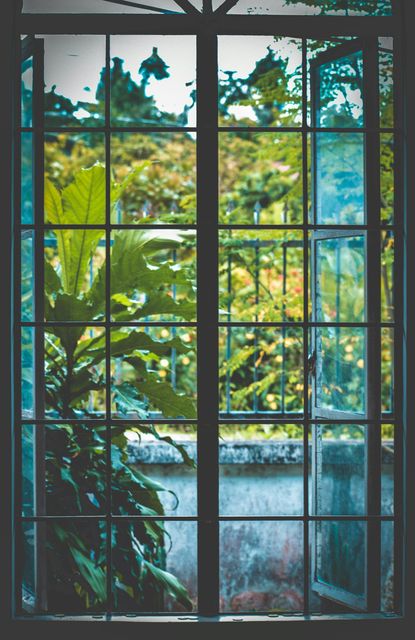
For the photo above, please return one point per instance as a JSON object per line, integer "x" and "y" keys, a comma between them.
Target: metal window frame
{"x": 206, "y": 27}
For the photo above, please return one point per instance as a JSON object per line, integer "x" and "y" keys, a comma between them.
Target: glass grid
{"x": 305, "y": 417}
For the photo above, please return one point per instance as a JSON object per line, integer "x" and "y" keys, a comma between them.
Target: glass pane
{"x": 74, "y": 371}
{"x": 98, "y": 6}
{"x": 339, "y": 452}
{"x": 154, "y": 566}
{"x": 153, "y": 276}
{"x": 259, "y": 81}
{"x": 388, "y": 466}
{"x": 64, "y": 469}
{"x": 154, "y": 372}
{"x": 261, "y": 370}
{"x": 74, "y": 80}
{"x": 26, "y": 173}
{"x": 74, "y": 275}
{"x": 340, "y": 555}
{"x": 261, "y": 469}
{"x": 387, "y": 567}
{"x": 340, "y": 371}
{"x": 261, "y": 276}
{"x": 339, "y": 185}
{"x": 27, "y": 372}
{"x": 154, "y": 467}
{"x": 387, "y": 178}
{"x": 386, "y": 82}
{"x": 261, "y": 567}
{"x": 260, "y": 178}
{"x": 387, "y": 267}
{"x": 388, "y": 369}
{"x": 317, "y": 7}
{"x": 65, "y": 568}
{"x": 153, "y": 81}
{"x": 340, "y": 279}
{"x": 155, "y": 176}
{"x": 27, "y": 92}
{"x": 75, "y": 166}
{"x": 27, "y": 276}
{"x": 339, "y": 92}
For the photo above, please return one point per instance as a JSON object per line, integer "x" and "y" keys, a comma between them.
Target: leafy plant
{"x": 142, "y": 280}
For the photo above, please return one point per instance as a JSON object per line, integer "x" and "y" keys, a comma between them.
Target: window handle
{"x": 311, "y": 362}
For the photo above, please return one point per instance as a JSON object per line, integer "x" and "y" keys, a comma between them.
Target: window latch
{"x": 311, "y": 362}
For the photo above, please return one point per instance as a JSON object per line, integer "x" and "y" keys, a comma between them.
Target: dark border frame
{"x": 206, "y": 26}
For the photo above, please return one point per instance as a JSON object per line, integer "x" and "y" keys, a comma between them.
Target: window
{"x": 209, "y": 411}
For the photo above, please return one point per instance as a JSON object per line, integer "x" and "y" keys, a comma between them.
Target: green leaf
{"x": 52, "y": 280}
{"x": 162, "y": 396}
{"x": 170, "y": 584}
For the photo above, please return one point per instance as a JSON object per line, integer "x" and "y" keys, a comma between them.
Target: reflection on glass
{"x": 340, "y": 555}
{"x": 153, "y": 275}
{"x": 387, "y": 567}
{"x": 260, "y": 178}
{"x": 64, "y": 469}
{"x": 259, "y": 81}
{"x": 74, "y": 371}
{"x": 67, "y": 155}
{"x": 68, "y": 559}
{"x": 74, "y": 275}
{"x": 159, "y": 170}
{"x": 271, "y": 554}
{"x": 154, "y": 566}
{"x": 317, "y": 7}
{"x": 340, "y": 279}
{"x": 260, "y": 275}
{"x": 386, "y": 81}
{"x": 27, "y": 92}
{"x": 261, "y": 469}
{"x": 26, "y": 173}
{"x": 154, "y": 372}
{"x": 340, "y": 372}
{"x": 387, "y": 273}
{"x": 387, "y": 369}
{"x": 339, "y": 88}
{"x": 27, "y": 276}
{"x": 387, "y": 177}
{"x": 27, "y": 372}
{"x": 153, "y": 81}
{"x": 154, "y": 465}
{"x": 74, "y": 80}
{"x": 339, "y": 196}
{"x": 261, "y": 370}
{"x": 98, "y": 6}
{"x": 388, "y": 468}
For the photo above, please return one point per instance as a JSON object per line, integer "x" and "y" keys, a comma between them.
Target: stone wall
{"x": 262, "y": 562}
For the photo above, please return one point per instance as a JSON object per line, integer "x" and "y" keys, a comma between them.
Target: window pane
{"x": 154, "y": 467}
{"x": 339, "y": 89}
{"x": 259, "y": 81}
{"x": 74, "y": 371}
{"x": 27, "y": 92}
{"x": 27, "y": 372}
{"x": 27, "y": 276}
{"x": 153, "y": 81}
{"x": 387, "y": 567}
{"x": 339, "y": 196}
{"x": 387, "y": 178}
{"x": 74, "y": 275}
{"x": 97, "y": 6}
{"x": 341, "y": 373}
{"x": 155, "y": 175}
{"x": 74, "y": 80}
{"x": 388, "y": 468}
{"x": 68, "y": 560}
{"x": 64, "y": 469}
{"x": 388, "y": 264}
{"x": 386, "y": 82}
{"x": 154, "y": 372}
{"x": 340, "y": 279}
{"x": 388, "y": 369}
{"x": 340, "y": 556}
{"x": 261, "y": 275}
{"x": 317, "y": 7}
{"x": 260, "y": 178}
{"x": 261, "y": 469}
{"x": 261, "y": 370}
{"x": 155, "y": 566}
{"x": 270, "y": 555}
{"x": 26, "y": 173}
